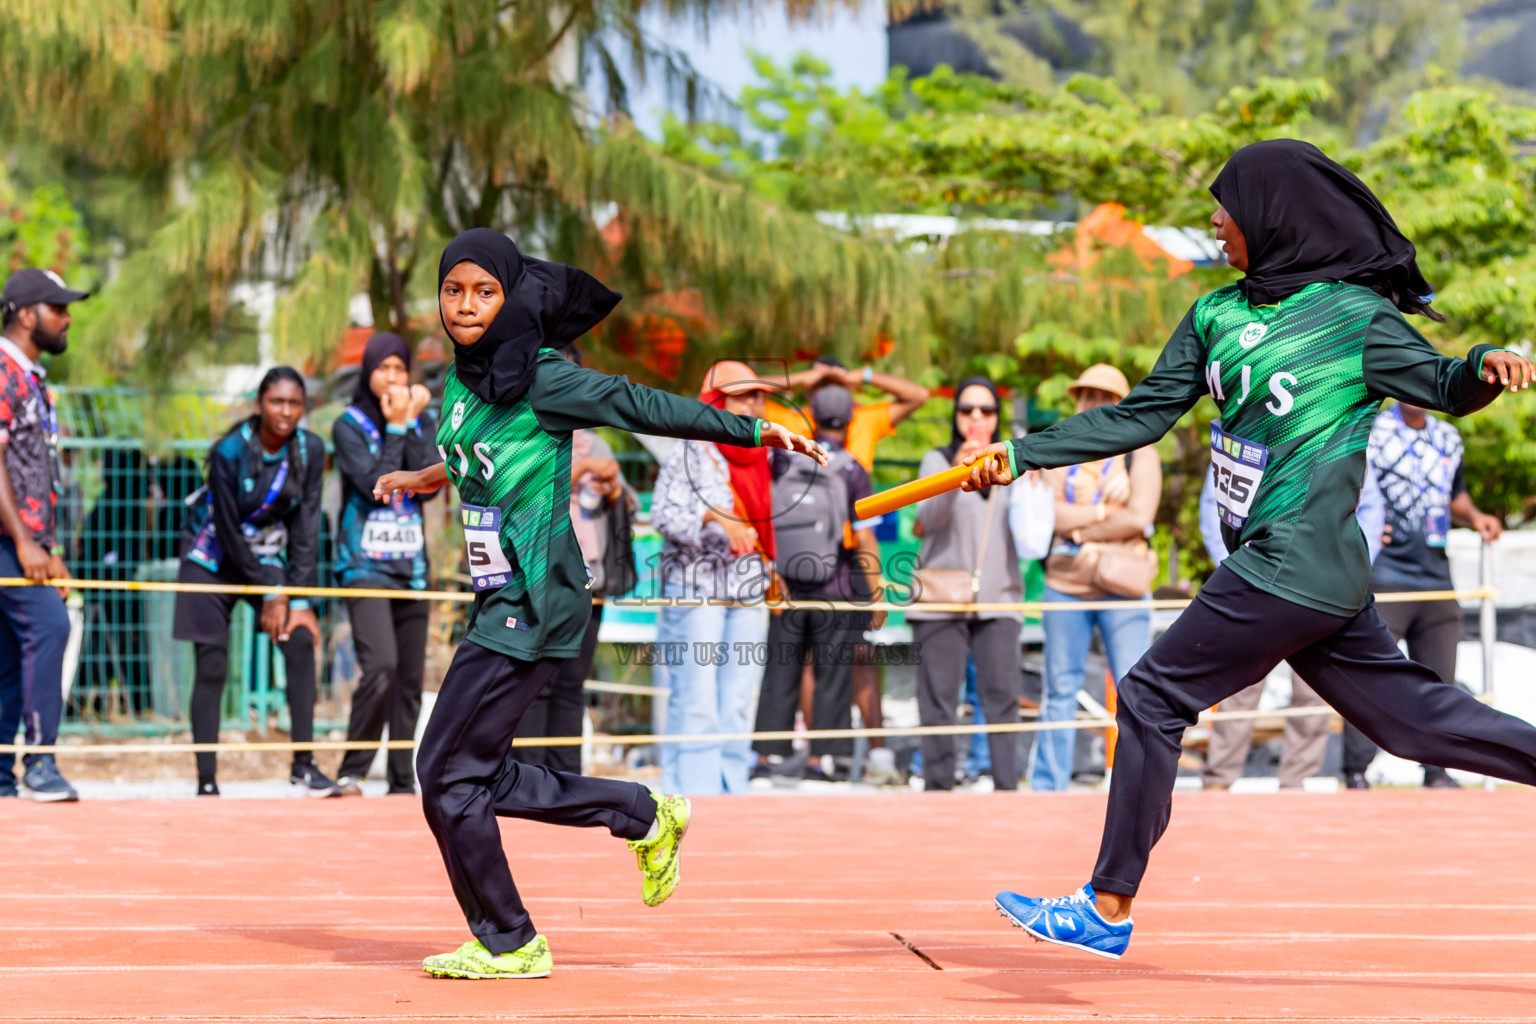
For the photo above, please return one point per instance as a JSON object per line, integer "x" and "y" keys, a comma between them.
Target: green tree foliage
{"x": 1457, "y": 169}
{"x": 332, "y": 146}
{"x": 1188, "y": 54}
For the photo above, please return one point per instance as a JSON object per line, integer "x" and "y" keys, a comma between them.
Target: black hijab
{"x": 379, "y": 348}
{"x": 547, "y": 305}
{"x": 1307, "y": 220}
{"x": 956, "y": 437}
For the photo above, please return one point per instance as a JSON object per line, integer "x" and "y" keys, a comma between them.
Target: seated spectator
{"x": 712, "y": 509}
{"x": 1104, "y": 511}
{"x": 1417, "y": 460}
{"x": 966, "y": 537}
{"x": 824, "y": 553}
{"x": 1306, "y": 737}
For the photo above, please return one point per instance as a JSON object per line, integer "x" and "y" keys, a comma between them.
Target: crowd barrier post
{"x": 1487, "y": 631}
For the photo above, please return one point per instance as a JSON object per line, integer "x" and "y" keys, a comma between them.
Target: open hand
{"x": 1508, "y": 370}
{"x": 775, "y": 436}
{"x": 989, "y": 466}
{"x": 422, "y": 481}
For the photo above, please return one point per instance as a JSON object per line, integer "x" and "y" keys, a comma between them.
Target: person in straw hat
{"x": 1105, "y": 505}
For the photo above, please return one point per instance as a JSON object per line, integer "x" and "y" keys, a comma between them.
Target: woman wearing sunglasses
{"x": 967, "y": 541}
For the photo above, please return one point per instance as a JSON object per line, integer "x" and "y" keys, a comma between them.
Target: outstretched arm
{"x": 1142, "y": 417}
{"x": 1399, "y": 363}
{"x": 568, "y": 397}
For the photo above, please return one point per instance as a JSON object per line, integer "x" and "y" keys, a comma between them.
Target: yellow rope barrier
{"x": 646, "y": 739}
{"x": 250, "y": 590}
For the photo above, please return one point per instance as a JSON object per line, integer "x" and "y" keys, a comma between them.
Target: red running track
{"x": 1382, "y": 906}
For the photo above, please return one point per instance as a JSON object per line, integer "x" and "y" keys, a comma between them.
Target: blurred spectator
{"x": 257, "y": 523}
{"x": 1306, "y": 737}
{"x": 1103, "y": 513}
{"x": 1417, "y": 460}
{"x": 823, "y": 553}
{"x": 381, "y": 545}
{"x": 34, "y": 625}
{"x": 871, "y": 423}
{"x": 713, "y": 509}
{"x": 967, "y": 556}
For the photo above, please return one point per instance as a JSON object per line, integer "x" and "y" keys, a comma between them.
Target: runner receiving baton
{"x": 1298, "y": 357}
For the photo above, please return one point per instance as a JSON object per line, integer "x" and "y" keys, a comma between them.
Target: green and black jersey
{"x": 1298, "y": 384}
{"x": 511, "y": 465}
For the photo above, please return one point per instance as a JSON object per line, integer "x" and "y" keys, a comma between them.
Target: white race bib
{"x": 482, "y": 540}
{"x": 391, "y": 535}
{"x": 1239, "y": 466}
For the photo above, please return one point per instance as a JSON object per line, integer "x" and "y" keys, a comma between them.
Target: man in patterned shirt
{"x": 1418, "y": 461}
{"x": 34, "y": 627}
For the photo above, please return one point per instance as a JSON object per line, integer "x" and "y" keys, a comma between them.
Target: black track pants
{"x": 208, "y": 696}
{"x": 469, "y": 778}
{"x": 1230, "y": 638}
{"x": 390, "y": 637}
{"x": 559, "y": 710}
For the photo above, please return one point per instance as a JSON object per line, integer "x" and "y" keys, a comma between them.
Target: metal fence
{"x": 121, "y": 508}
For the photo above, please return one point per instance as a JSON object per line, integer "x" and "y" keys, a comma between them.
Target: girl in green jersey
{"x": 1298, "y": 357}
{"x": 510, "y": 404}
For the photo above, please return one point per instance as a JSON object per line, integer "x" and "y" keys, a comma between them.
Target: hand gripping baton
{"x": 910, "y": 493}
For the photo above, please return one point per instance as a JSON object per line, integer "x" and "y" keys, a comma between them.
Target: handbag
{"x": 1125, "y": 568}
{"x": 955, "y": 586}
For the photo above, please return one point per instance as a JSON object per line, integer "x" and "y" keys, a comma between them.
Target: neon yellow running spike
{"x": 658, "y": 857}
{"x": 473, "y": 960}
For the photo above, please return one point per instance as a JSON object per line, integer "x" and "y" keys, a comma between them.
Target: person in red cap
{"x": 34, "y": 627}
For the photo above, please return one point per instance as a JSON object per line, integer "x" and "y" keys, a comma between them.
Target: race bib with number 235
{"x": 1238, "y": 466}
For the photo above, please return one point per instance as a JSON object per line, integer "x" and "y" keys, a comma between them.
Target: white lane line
{"x": 717, "y": 967}
{"x": 1147, "y": 906}
{"x": 631, "y": 1015}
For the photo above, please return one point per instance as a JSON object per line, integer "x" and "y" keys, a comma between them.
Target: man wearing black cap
{"x": 34, "y": 627}
{"x": 815, "y": 525}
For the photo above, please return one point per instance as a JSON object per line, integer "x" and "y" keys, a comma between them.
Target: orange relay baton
{"x": 911, "y": 493}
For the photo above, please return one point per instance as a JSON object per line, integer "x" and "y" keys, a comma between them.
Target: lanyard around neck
{"x": 1071, "y": 489}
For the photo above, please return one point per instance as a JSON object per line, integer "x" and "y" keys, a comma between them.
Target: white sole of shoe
{"x": 319, "y": 794}
{"x": 472, "y": 976}
{"x": 1027, "y": 930}
{"x": 68, "y": 796}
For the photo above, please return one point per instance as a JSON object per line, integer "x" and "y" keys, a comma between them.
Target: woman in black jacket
{"x": 381, "y": 545}
{"x": 256, "y": 521}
